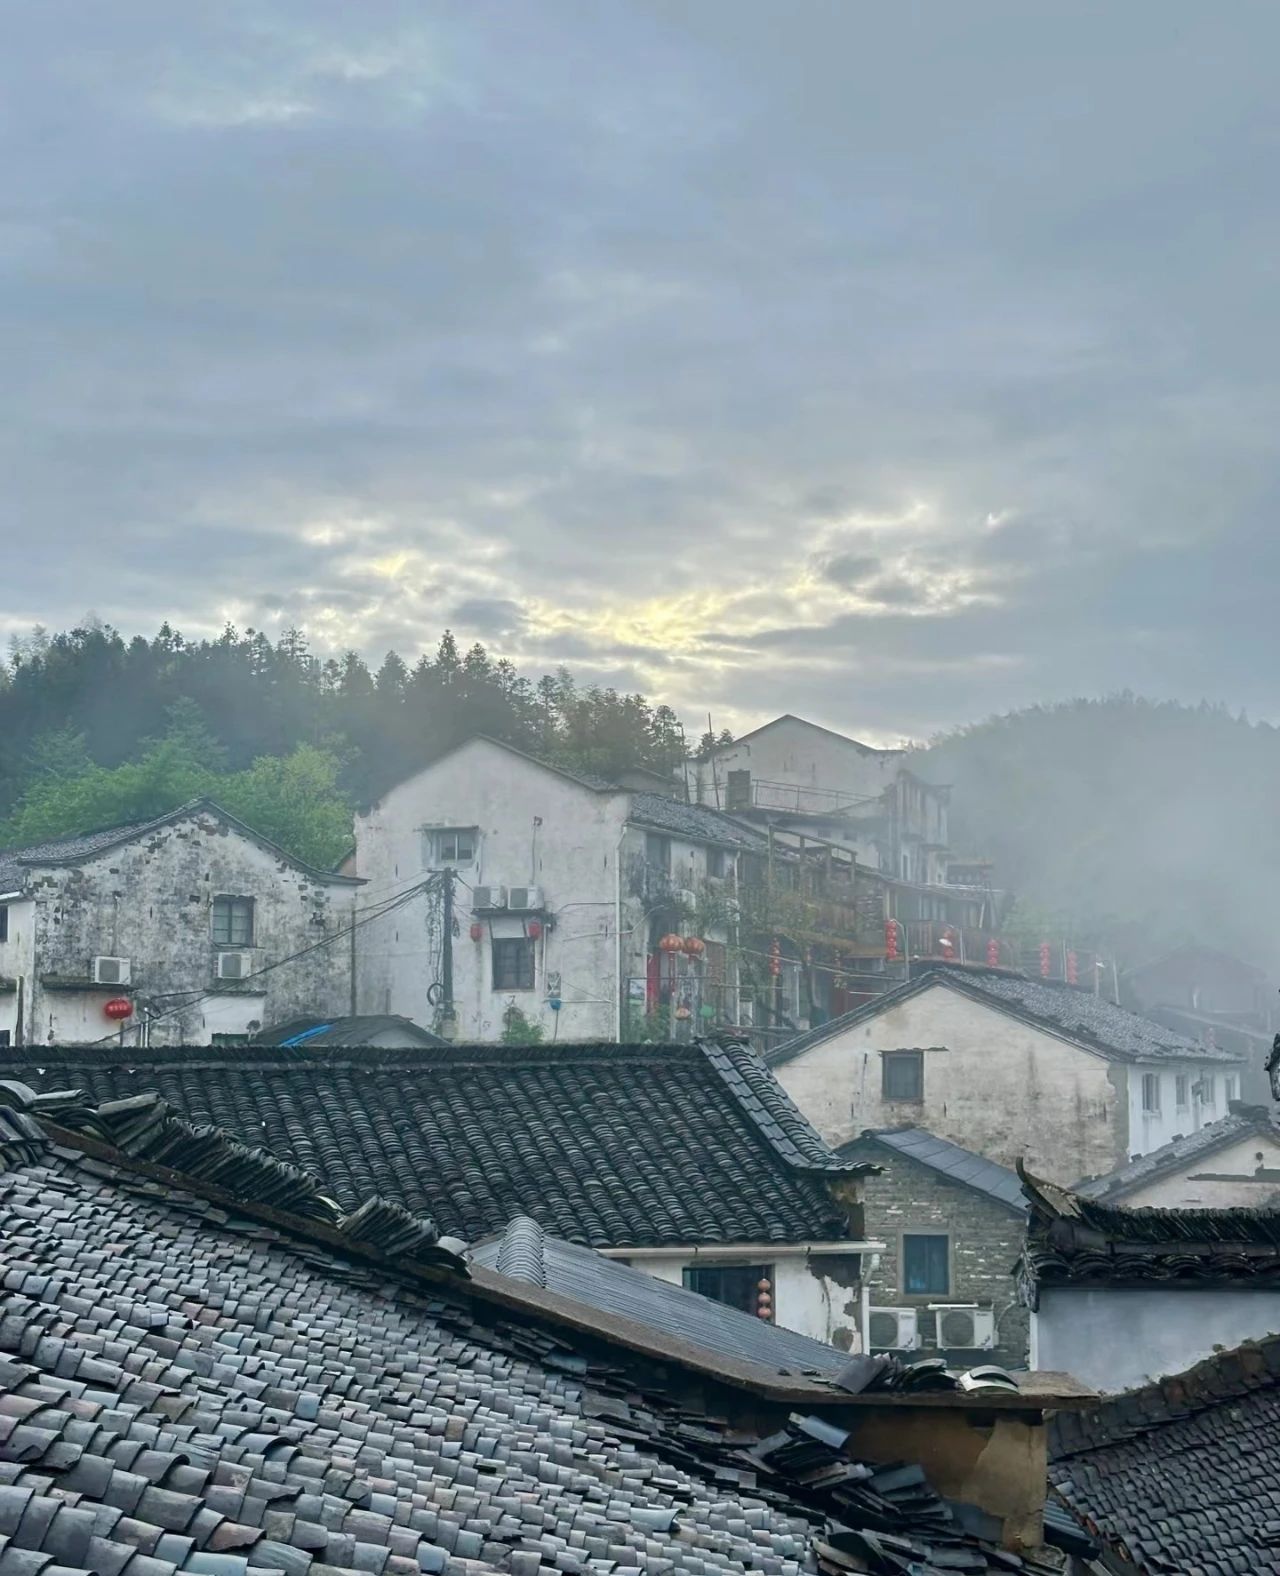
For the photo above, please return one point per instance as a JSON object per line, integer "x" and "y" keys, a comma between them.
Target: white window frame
{"x": 1181, "y": 1091}
{"x": 440, "y": 847}
{"x": 1151, "y": 1082}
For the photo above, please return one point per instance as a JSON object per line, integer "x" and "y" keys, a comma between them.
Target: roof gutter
{"x": 744, "y": 1250}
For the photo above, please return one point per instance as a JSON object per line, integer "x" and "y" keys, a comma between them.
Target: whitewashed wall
{"x": 572, "y": 855}
{"x": 1233, "y": 1163}
{"x": 16, "y": 955}
{"x": 991, "y": 1083}
{"x": 1150, "y": 1130}
{"x": 1119, "y": 1339}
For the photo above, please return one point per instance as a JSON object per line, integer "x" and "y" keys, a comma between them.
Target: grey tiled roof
{"x": 1180, "y": 1476}
{"x": 187, "y": 1385}
{"x": 696, "y": 822}
{"x": 947, "y": 1159}
{"x": 1173, "y": 1156}
{"x": 1077, "y": 1014}
{"x": 1081, "y": 1241}
{"x": 615, "y": 1146}
{"x": 524, "y": 1252}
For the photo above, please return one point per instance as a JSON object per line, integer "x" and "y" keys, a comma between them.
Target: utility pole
{"x": 446, "y": 950}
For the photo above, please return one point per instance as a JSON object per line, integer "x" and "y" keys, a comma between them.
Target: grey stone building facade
{"x": 953, "y": 1224}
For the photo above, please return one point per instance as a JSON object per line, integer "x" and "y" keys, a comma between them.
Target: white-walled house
{"x": 178, "y": 919}
{"x": 1009, "y": 1067}
{"x": 1230, "y": 1164}
{"x": 565, "y": 886}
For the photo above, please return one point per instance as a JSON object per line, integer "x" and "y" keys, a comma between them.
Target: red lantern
{"x": 533, "y": 929}
{"x": 1044, "y": 960}
{"x": 119, "y": 1007}
{"x": 993, "y": 953}
{"x": 1073, "y": 969}
{"x": 477, "y": 930}
{"x": 694, "y": 946}
{"x": 891, "y": 940}
{"x": 947, "y": 943}
{"x": 671, "y": 943}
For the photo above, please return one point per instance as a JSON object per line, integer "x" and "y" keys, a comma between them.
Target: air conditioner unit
{"x": 685, "y": 897}
{"x": 526, "y": 899}
{"x": 234, "y": 965}
{"x": 972, "y": 1328}
{"x": 489, "y": 897}
{"x": 893, "y": 1330}
{"x": 111, "y": 971}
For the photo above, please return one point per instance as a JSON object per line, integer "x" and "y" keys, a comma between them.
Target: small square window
{"x": 1151, "y": 1092}
{"x": 902, "y": 1075}
{"x": 1180, "y": 1091}
{"x": 452, "y": 847}
{"x": 233, "y": 921}
{"x": 513, "y": 963}
{"x": 926, "y": 1265}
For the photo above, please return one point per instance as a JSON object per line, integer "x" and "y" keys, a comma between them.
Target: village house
{"x": 1010, "y": 1068}
{"x": 209, "y": 1366}
{"x": 687, "y": 1161}
{"x": 1127, "y": 1296}
{"x": 178, "y": 930}
{"x": 1179, "y": 1475}
{"x": 953, "y": 1225}
{"x": 567, "y": 886}
{"x": 1232, "y": 1163}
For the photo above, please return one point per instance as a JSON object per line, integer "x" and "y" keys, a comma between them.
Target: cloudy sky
{"x": 892, "y": 363}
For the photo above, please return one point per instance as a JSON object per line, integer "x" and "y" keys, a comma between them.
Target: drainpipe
{"x": 864, "y": 1299}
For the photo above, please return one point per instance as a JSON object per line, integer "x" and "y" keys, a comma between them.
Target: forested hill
{"x": 1139, "y": 824}
{"x": 98, "y": 730}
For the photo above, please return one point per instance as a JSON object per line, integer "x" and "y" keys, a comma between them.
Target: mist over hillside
{"x": 1134, "y": 824}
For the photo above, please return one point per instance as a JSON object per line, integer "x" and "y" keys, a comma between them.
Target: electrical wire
{"x": 379, "y": 911}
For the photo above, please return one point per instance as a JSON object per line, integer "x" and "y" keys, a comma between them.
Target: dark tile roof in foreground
{"x": 614, "y": 1146}
{"x": 1180, "y": 1153}
{"x": 188, "y": 1384}
{"x": 1078, "y": 1241}
{"x": 1078, "y": 1015}
{"x": 1181, "y": 1476}
{"x": 984, "y": 1176}
{"x": 526, "y": 1253}
{"x": 348, "y": 1033}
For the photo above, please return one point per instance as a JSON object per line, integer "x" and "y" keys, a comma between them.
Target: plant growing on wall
{"x": 517, "y": 1029}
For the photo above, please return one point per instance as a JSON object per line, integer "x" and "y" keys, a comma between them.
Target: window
{"x": 657, "y": 851}
{"x": 1180, "y": 1091}
{"x": 1151, "y": 1092}
{"x": 736, "y": 1285}
{"x": 451, "y": 846}
{"x": 926, "y": 1265}
{"x": 1208, "y": 1087}
{"x": 1231, "y": 1087}
{"x": 717, "y": 863}
{"x": 902, "y": 1075}
{"x": 233, "y": 921}
{"x": 513, "y": 963}
{"x": 4, "y": 922}
{"x": 5, "y": 1037}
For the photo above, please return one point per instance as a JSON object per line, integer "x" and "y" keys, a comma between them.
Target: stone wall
{"x": 986, "y": 1238}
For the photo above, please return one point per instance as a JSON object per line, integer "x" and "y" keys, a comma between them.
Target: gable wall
{"x": 151, "y": 901}
{"x": 995, "y": 1085}
{"x": 1181, "y": 1191}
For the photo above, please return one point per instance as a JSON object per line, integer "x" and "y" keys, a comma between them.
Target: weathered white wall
{"x": 571, "y": 855}
{"x": 1187, "y": 1189}
{"x": 16, "y": 955}
{"x": 817, "y": 1296}
{"x": 151, "y": 901}
{"x": 1150, "y": 1130}
{"x": 991, "y": 1083}
{"x": 1117, "y": 1340}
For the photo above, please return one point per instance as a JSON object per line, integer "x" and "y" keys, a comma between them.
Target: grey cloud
{"x": 606, "y": 307}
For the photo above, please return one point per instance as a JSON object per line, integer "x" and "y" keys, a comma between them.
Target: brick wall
{"x": 985, "y": 1240}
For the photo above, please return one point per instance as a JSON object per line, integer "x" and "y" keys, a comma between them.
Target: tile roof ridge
{"x": 772, "y": 1110}
{"x": 452, "y": 1052}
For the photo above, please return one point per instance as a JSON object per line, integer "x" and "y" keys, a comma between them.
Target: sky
{"x": 889, "y": 363}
